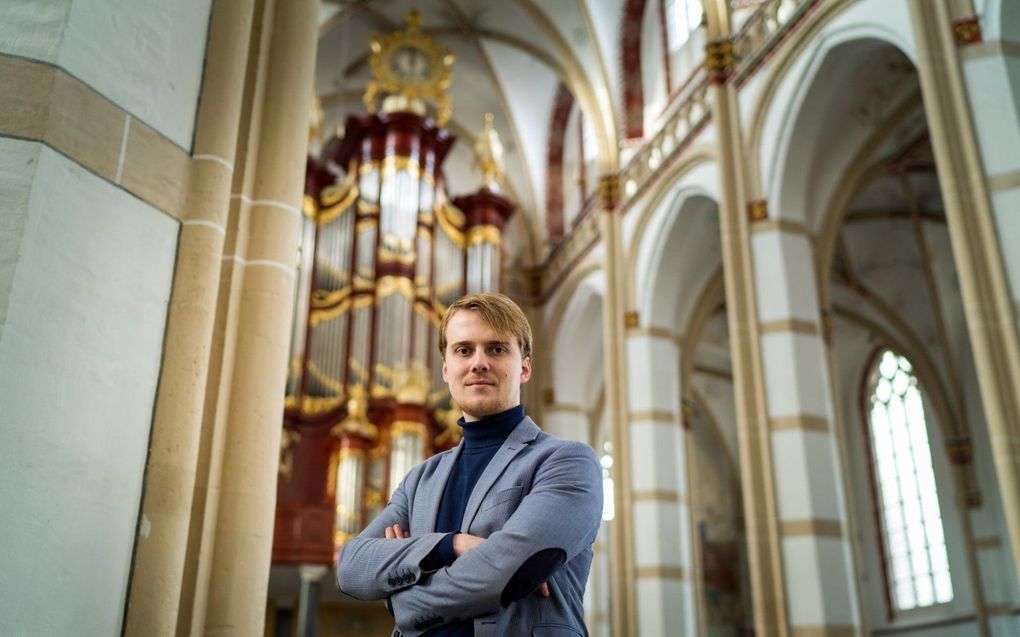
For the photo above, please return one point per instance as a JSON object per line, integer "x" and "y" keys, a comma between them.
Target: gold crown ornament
{"x": 409, "y": 70}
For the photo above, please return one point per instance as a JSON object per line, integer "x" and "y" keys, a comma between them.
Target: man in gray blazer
{"x": 494, "y": 536}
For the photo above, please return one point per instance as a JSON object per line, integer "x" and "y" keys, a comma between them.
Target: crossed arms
{"x": 556, "y": 520}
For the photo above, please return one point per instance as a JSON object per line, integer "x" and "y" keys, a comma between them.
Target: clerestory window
{"x": 682, "y": 18}
{"x": 917, "y": 566}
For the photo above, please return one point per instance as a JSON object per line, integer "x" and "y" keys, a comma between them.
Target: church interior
{"x": 765, "y": 246}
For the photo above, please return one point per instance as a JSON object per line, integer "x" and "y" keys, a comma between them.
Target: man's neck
{"x": 492, "y": 429}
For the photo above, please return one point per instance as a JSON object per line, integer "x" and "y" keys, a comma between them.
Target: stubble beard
{"x": 482, "y": 407}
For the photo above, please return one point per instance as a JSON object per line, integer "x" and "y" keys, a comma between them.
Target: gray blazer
{"x": 540, "y": 497}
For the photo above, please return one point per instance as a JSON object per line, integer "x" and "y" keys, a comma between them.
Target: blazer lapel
{"x": 523, "y": 433}
{"x": 438, "y": 484}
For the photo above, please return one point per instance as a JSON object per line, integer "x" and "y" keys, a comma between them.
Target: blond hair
{"x": 498, "y": 312}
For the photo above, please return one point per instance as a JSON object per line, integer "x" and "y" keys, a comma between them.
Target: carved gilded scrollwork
{"x": 452, "y": 432}
{"x": 484, "y": 234}
{"x": 287, "y": 442}
{"x": 356, "y": 423}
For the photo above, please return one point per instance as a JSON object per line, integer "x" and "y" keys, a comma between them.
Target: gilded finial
{"x": 316, "y": 118}
{"x": 413, "y": 20}
{"x": 357, "y": 422}
{"x": 411, "y": 384}
{"x": 489, "y": 154}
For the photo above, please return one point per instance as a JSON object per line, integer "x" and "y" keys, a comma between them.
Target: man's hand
{"x": 396, "y": 533}
{"x": 464, "y": 542}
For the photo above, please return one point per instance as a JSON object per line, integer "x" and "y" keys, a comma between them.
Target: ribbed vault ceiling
{"x": 511, "y": 57}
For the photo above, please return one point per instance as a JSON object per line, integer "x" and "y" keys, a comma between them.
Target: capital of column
{"x": 757, "y": 210}
{"x": 631, "y": 319}
{"x": 688, "y": 409}
{"x": 826, "y": 314}
{"x": 549, "y": 396}
{"x": 609, "y": 191}
{"x": 719, "y": 60}
{"x": 960, "y": 450}
{"x": 967, "y": 30}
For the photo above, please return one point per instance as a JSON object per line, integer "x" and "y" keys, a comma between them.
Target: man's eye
{"x": 461, "y": 351}
{"x": 499, "y": 349}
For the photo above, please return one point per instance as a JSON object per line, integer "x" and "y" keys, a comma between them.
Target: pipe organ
{"x": 383, "y": 252}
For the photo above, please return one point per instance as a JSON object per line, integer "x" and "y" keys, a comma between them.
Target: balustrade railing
{"x": 758, "y": 35}
{"x": 763, "y": 29}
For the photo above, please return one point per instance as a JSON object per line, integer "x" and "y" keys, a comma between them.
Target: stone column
{"x": 623, "y": 600}
{"x": 662, "y": 550}
{"x": 308, "y": 605}
{"x": 569, "y": 421}
{"x": 802, "y": 569}
{"x": 155, "y": 594}
{"x": 596, "y": 595}
{"x": 975, "y": 128}
{"x": 768, "y": 594}
{"x": 810, "y": 499}
{"x": 266, "y": 252}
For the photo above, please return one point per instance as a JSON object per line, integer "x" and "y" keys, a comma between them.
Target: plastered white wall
{"x": 18, "y": 161}
{"x": 146, "y": 56}
{"x": 994, "y": 110}
{"x": 80, "y": 357}
{"x": 33, "y": 29}
{"x": 533, "y": 107}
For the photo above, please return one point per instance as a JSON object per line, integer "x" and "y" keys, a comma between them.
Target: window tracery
{"x": 917, "y": 566}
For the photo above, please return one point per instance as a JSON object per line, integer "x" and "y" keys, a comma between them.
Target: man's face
{"x": 484, "y": 369}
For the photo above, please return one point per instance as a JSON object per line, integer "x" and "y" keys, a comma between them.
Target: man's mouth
{"x": 476, "y": 383}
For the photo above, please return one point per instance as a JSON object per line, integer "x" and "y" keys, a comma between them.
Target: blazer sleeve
{"x": 371, "y": 567}
{"x": 557, "y": 520}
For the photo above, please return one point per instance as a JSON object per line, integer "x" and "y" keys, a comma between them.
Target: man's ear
{"x": 445, "y": 379}
{"x": 525, "y": 370}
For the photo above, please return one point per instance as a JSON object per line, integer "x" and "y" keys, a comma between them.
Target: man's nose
{"x": 479, "y": 362}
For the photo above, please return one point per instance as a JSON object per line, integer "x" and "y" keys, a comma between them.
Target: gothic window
{"x": 682, "y": 18}
{"x": 589, "y": 142}
{"x": 917, "y": 566}
{"x": 608, "y": 503}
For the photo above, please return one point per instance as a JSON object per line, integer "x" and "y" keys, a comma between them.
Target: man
{"x": 492, "y": 537}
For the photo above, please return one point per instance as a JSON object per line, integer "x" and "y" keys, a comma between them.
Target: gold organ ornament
{"x": 288, "y": 439}
{"x": 489, "y": 155}
{"x": 484, "y": 234}
{"x": 410, "y": 69}
{"x": 357, "y": 421}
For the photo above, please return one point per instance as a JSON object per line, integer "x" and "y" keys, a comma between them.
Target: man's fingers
{"x": 464, "y": 542}
{"x": 389, "y": 533}
{"x": 543, "y": 590}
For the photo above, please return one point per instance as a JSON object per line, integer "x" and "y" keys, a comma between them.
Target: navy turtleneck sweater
{"x": 482, "y": 439}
